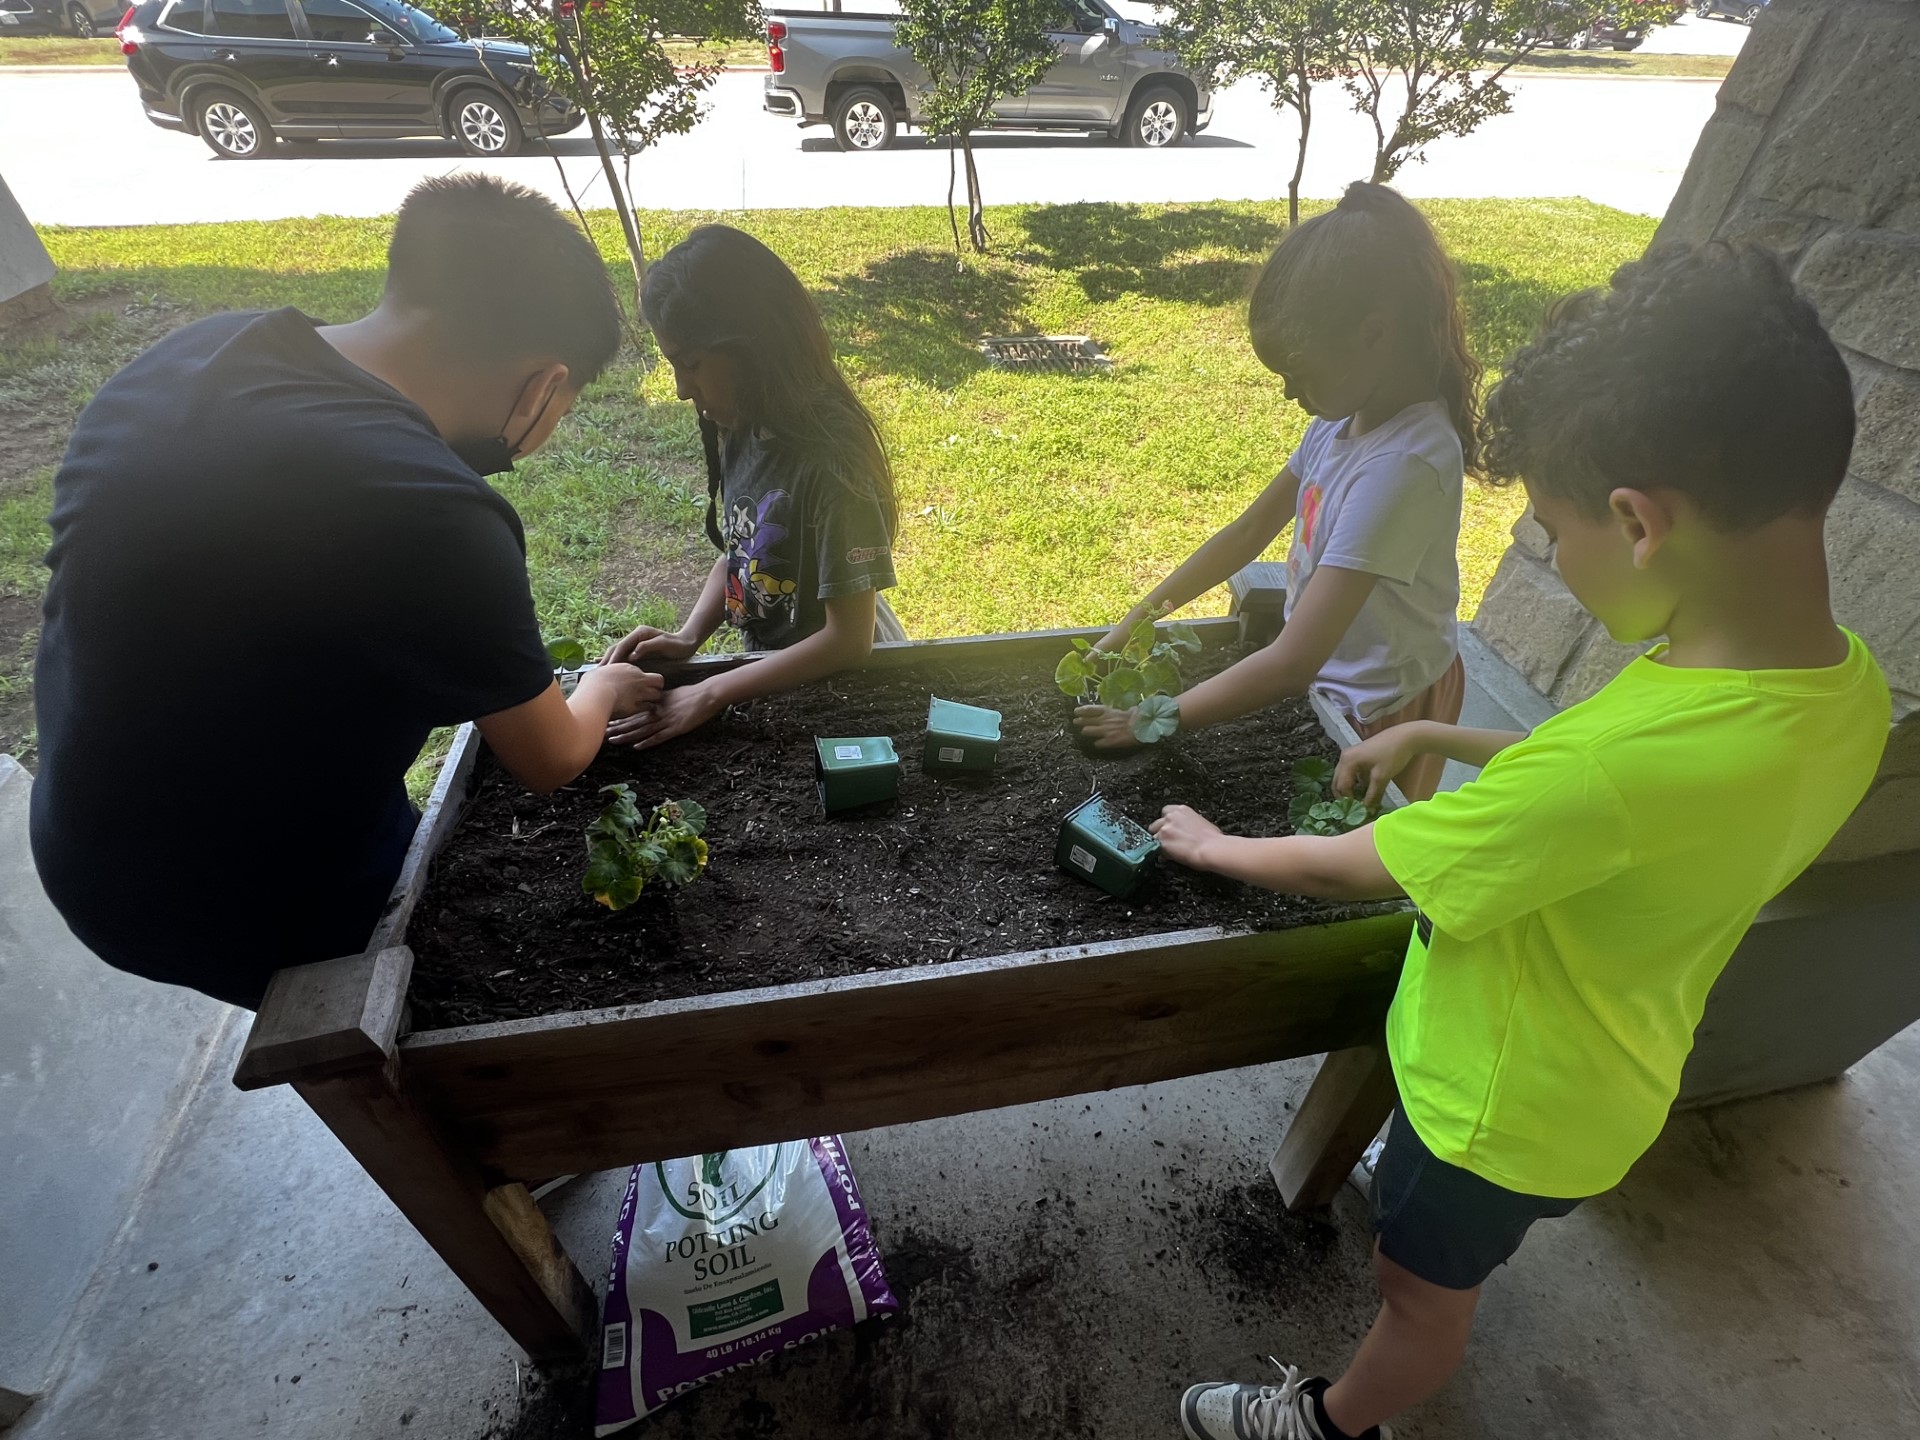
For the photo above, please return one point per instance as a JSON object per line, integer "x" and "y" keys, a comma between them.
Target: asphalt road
{"x": 78, "y": 151}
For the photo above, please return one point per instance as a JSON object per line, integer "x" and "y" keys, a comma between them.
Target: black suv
{"x": 238, "y": 73}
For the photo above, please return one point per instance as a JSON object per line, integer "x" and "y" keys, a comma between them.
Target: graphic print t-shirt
{"x": 795, "y": 539}
{"x": 1386, "y": 503}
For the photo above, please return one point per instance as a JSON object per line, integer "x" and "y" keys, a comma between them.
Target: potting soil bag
{"x": 721, "y": 1261}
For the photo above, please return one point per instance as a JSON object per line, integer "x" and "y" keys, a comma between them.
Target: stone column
{"x": 26, "y": 274}
{"x": 1814, "y": 151}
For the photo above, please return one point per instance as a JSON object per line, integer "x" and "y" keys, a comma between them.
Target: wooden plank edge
{"x": 332, "y": 1017}
{"x": 1393, "y": 927}
{"x": 444, "y": 808}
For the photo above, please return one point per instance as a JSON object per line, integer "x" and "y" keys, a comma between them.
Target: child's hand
{"x": 1106, "y": 728}
{"x": 647, "y": 643}
{"x": 687, "y": 707}
{"x": 1184, "y": 834}
{"x": 1365, "y": 769}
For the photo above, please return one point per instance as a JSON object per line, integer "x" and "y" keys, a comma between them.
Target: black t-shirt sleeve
{"x": 463, "y": 617}
{"x": 853, "y": 548}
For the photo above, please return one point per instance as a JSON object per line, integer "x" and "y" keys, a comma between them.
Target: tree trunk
{"x": 581, "y": 64}
{"x": 953, "y": 219}
{"x": 976, "y": 215}
{"x": 1305, "y": 110}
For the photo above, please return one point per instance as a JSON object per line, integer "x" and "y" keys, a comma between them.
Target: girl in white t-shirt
{"x": 1359, "y": 315}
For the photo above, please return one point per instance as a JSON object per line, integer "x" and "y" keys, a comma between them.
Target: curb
{"x": 118, "y": 68}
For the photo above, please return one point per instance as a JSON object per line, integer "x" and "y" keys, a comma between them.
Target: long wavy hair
{"x": 1372, "y": 251}
{"x": 721, "y": 289}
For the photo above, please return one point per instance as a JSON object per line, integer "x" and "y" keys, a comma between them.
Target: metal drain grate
{"x": 1065, "y": 354}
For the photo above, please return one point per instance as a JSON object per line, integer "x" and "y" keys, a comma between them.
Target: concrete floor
{"x": 1075, "y": 1264}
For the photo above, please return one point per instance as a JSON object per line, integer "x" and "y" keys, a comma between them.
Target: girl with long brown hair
{"x": 800, "y": 499}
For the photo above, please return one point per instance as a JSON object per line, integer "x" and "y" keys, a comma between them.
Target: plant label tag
{"x": 1082, "y": 858}
{"x": 951, "y": 754}
{"x": 846, "y": 752}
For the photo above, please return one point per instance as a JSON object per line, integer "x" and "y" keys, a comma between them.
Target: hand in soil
{"x": 1105, "y": 727}
{"x": 647, "y": 643}
{"x": 674, "y": 714}
{"x": 1184, "y": 833}
{"x": 1365, "y": 769}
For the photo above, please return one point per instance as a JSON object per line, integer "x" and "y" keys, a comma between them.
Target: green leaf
{"x": 1071, "y": 674}
{"x": 683, "y": 858}
{"x": 1160, "y": 676}
{"x": 1122, "y": 690}
{"x": 693, "y": 815}
{"x": 1301, "y": 807}
{"x": 1352, "y": 814}
{"x": 1083, "y": 645}
{"x": 1328, "y": 810}
{"x": 621, "y": 893}
{"x": 1155, "y": 718}
{"x": 1313, "y": 771}
{"x": 1181, "y": 637}
{"x": 567, "y": 654}
{"x": 1139, "y": 644}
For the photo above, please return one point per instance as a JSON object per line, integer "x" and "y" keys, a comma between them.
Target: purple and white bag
{"x": 721, "y": 1261}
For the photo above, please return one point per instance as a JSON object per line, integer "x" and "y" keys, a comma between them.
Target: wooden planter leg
{"x": 495, "y": 1240}
{"x": 1349, "y": 1100}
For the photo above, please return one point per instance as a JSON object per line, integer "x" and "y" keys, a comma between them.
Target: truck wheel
{"x": 1157, "y": 119}
{"x": 863, "y": 119}
{"x": 233, "y": 128}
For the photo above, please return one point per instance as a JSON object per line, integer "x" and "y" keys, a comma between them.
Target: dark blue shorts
{"x": 1447, "y": 1225}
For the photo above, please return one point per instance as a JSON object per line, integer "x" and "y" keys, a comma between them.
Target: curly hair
{"x": 1372, "y": 249}
{"x": 1700, "y": 370}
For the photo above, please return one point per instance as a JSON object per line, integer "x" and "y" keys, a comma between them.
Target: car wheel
{"x": 80, "y": 21}
{"x": 234, "y": 129}
{"x": 1157, "y": 119}
{"x": 484, "y": 124}
{"x": 1704, "y": 9}
{"x": 863, "y": 119}
{"x": 1751, "y": 14}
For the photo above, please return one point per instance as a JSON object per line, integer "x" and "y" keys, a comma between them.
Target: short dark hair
{"x": 1701, "y": 370}
{"x": 506, "y": 275}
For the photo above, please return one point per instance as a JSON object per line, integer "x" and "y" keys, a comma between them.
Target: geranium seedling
{"x": 1142, "y": 676}
{"x": 626, "y": 851}
{"x": 862, "y": 770}
{"x": 1104, "y": 847}
{"x": 960, "y": 737}
{"x": 1315, "y": 809}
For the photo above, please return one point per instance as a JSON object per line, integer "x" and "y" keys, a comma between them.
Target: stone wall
{"x": 1815, "y": 151}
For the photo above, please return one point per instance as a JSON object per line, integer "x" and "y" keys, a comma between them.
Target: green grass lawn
{"x": 1626, "y": 62}
{"x": 58, "y": 50}
{"x": 1027, "y": 500}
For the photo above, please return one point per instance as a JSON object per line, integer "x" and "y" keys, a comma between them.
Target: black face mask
{"x": 495, "y": 454}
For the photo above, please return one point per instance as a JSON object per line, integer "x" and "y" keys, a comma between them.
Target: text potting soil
{"x": 724, "y": 1260}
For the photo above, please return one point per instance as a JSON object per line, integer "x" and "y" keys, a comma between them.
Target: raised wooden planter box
{"x": 451, "y": 1123}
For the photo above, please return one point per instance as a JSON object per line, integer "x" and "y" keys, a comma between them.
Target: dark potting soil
{"x": 958, "y": 867}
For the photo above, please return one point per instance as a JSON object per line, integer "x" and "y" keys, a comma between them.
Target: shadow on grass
{"x": 1118, "y": 250}
{"x": 919, "y": 315}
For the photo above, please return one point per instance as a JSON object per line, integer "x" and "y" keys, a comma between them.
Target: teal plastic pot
{"x": 856, "y": 771}
{"x": 1100, "y": 845}
{"x": 960, "y": 738}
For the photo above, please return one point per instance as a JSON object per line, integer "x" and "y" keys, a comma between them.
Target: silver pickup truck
{"x": 844, "y": 70}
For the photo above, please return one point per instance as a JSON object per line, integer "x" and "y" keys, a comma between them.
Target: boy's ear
{"x": 1644, "y": 520}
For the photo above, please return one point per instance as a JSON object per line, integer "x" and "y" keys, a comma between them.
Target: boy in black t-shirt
{"x": 275, "y": 567}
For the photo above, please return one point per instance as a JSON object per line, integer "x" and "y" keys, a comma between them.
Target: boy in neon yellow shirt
{"x": 1681, "y": 437}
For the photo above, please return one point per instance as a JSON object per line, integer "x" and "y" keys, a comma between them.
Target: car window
{"x": 335, "y": 22}
{"x": 188, "y": 15}
{"x": 417, "y": 25}
{"x": 252, "y": 19}
{"x": 1082, "y": 15}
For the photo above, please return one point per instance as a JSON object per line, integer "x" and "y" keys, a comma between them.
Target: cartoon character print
{"x": 754, "y": 593}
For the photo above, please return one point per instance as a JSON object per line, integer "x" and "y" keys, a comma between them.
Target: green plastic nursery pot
{"x": 1100, "y": 845}
{"x": 856, "y": 771}
{"x": 960, "y": 737}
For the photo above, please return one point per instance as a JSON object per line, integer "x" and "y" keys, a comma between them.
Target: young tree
{"x": 1289, "y": 46}
{"x": 606, "y": 57}
{"x": 974, "y": 52}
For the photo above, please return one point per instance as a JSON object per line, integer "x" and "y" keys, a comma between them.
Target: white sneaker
{"x": 1223, "y": 1410}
